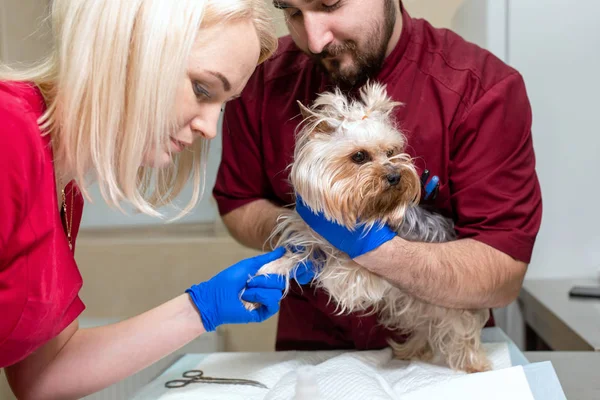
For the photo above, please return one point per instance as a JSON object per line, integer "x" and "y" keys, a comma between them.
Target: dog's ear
{"x": 309, "y": 115}
{"x": 305, "y": 111}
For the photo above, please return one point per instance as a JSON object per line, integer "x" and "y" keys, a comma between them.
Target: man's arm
{"x": 253, "y": 223}
{"x": 458, "y": 274}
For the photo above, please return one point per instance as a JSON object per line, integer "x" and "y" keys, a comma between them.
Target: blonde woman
{"x": 128, "y": 98}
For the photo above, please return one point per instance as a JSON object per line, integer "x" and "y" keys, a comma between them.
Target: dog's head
{"x": 350, "y": 162}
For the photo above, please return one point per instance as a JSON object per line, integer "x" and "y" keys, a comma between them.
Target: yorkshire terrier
{"x": 349, "y": 163}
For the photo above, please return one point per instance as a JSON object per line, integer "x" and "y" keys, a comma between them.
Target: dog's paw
{"x": 250, "y": 306}
{"x": 247, "y": 304}
{"x": 479, "y": 364}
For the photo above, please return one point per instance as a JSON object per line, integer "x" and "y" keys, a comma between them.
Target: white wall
{"x": 555, "y": 47}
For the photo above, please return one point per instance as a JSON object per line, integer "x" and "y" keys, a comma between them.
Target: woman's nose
{"x": 206, "y": 125}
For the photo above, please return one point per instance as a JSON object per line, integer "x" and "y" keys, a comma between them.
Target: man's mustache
{"x": 330, "y": 51}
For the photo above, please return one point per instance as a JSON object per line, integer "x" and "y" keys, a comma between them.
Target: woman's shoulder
{"x": 21, "y": 106}
{"x": 21, "y": 96}
{"x": 23, "y": 149}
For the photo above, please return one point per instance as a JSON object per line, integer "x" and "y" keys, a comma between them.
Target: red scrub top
{"x": 467, "y": 118}
{"x": 39, "y": 279}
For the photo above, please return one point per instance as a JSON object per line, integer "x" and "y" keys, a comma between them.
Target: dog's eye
{"x": 390, "y": 152}
{"x": 360, "y": 157}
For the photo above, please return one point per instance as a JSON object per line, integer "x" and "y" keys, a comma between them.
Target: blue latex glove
{"x": 218, "y": 299}
{"x": 304, "y": 275}
{"x": 354, "y": 243}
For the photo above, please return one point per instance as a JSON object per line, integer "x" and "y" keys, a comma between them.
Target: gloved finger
{"x": 270, "y": 281}
{"x": 258, "y": 261}
{"x": 295, "y": 248}
{"x": 269, "y": 298}
{"x": 267, "y": 311}
{"x": 304, "y": 273}
{"x": 264, "y": 312}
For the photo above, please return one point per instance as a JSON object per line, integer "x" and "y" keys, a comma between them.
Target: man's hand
{"x": 354, "y": 243}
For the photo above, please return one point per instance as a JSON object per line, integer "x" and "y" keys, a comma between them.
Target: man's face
{"x": 348, "y": 38}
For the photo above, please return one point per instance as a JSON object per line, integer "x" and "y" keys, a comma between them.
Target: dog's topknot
{"x": 331, "y": 110}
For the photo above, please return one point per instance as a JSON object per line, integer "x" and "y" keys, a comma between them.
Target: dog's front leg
{"x": 284, "y": 266}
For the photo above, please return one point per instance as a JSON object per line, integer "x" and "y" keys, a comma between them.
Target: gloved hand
{"x": 218, "y": 300}
{"x": 354, "y": 243}
{"x": 304, "y": 275}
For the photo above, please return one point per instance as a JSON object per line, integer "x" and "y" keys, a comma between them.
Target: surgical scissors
{"x": 197, "y": 376}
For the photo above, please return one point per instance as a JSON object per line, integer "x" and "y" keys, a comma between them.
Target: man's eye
{"x": 330, "y": 6}
{"x": 293, "y": 12}
{"x": 200, "y": 92}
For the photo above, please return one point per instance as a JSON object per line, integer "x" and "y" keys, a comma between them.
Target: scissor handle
{"x": 194, "y": 373}
{"x": 177, "y": 383}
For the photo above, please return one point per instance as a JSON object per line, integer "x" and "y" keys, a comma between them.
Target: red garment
{"x": 467, "y": 118}
{"x": 39, "y": 280}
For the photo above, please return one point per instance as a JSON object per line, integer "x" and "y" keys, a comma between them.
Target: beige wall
{"x": 438, "y": 12}
{"x": 23, "y": 30}
{"x": 127, "y": 272}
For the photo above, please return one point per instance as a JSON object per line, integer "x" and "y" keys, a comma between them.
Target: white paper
{"x": 509, "y": 383}
{"x": 366, "y": 375}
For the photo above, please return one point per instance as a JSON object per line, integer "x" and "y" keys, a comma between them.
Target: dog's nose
{"x": 393, "y": 178}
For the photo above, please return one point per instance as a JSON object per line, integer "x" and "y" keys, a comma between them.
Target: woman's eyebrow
{"x": 223, "y": 79}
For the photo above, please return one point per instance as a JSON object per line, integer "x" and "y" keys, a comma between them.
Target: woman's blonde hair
{"x": 110, "y": 87}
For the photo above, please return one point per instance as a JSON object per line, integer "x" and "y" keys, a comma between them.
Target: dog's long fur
{"x": 326, "y": 174}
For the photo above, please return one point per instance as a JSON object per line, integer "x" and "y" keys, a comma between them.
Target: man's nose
{"x": 318, "y": 33}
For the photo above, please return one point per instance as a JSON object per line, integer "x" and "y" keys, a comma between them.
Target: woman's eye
{"x": 200, "y": 92}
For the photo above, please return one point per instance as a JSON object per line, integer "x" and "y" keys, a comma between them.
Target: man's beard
{"x": 367, "y": 62}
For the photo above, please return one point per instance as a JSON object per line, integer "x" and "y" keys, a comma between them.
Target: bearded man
{"x": 467, "y": 119}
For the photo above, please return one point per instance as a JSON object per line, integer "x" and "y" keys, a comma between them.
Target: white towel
{"x": 365, "y": 375}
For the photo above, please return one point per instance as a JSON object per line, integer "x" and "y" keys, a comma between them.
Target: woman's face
{"x": 221, "y": 62}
